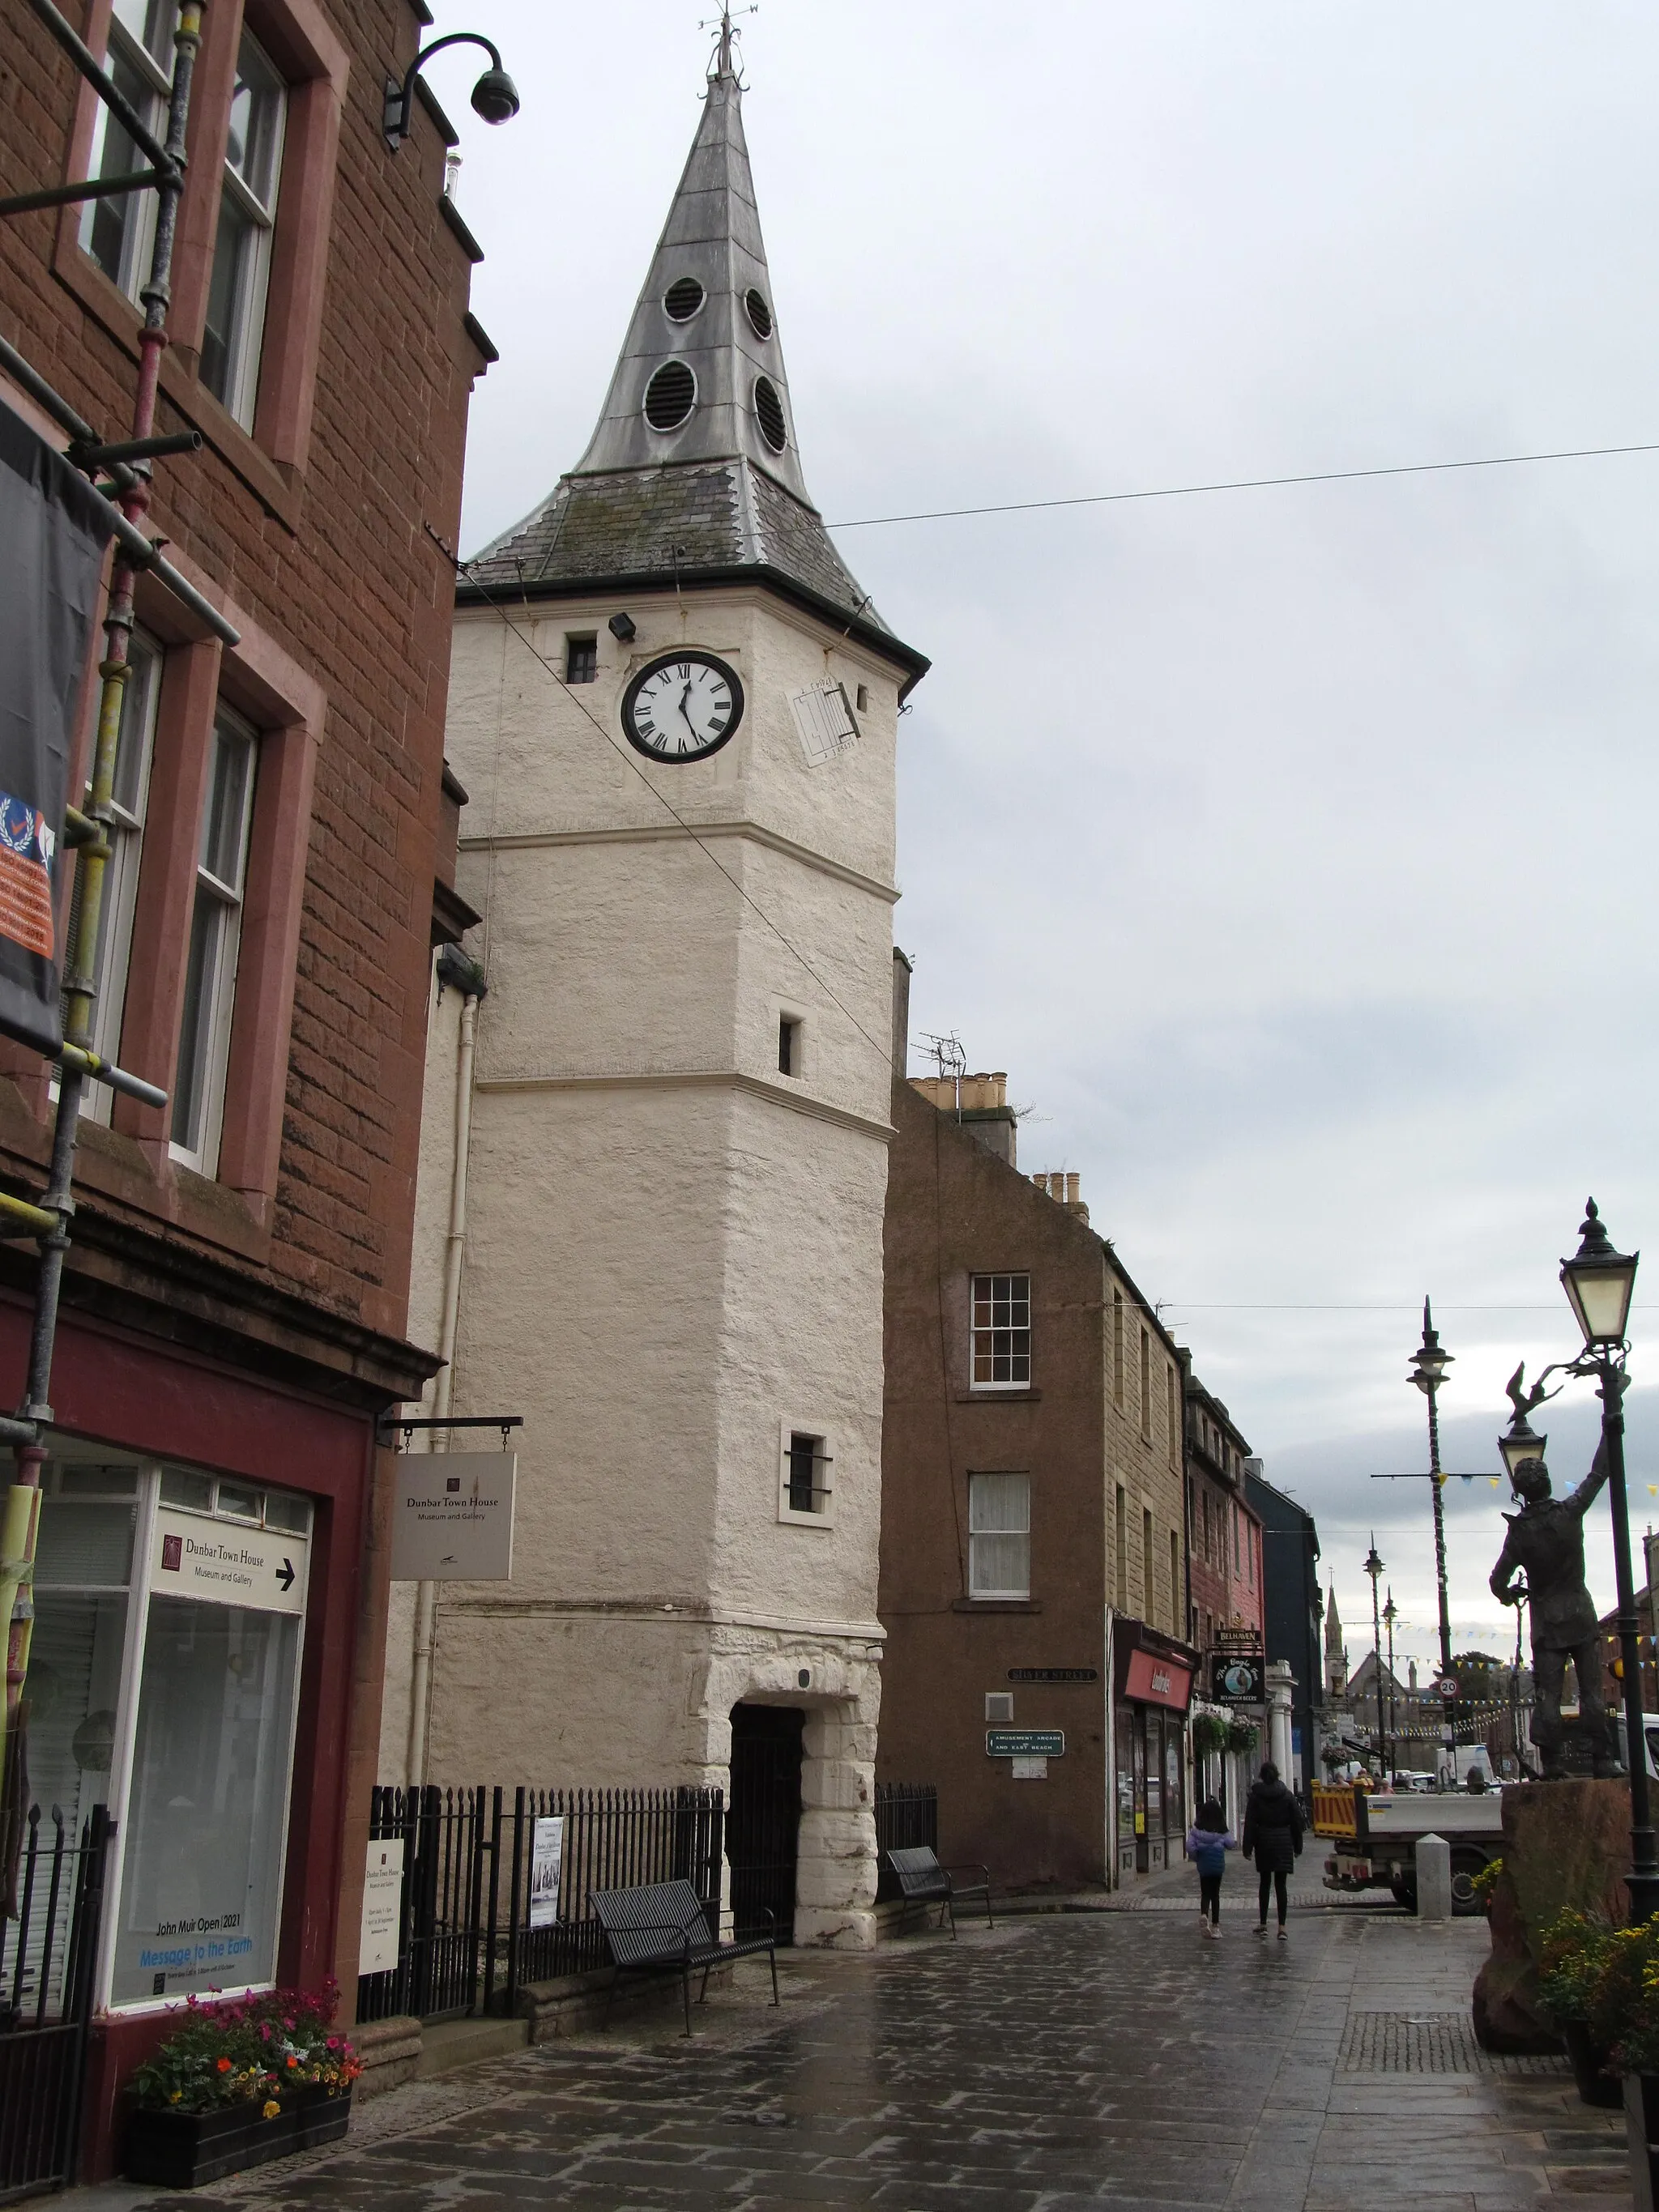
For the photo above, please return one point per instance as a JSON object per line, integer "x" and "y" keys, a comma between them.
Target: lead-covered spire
{"x": 700, "y": 375}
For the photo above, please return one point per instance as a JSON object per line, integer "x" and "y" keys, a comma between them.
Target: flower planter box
{"x": 182, "y": 2150}
{"x": 1641, "y": 2130}
{"x": 1588, "y": 2060}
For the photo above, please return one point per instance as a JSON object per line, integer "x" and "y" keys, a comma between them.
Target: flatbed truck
{"x": 1374, "y": 1834}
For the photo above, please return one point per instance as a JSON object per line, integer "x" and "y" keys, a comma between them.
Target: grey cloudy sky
{"x": 1290, "y": 849}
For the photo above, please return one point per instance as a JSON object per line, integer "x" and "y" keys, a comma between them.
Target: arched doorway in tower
{"x": 763, "y": 1817}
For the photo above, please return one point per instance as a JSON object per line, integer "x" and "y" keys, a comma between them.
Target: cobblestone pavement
{"x": 1102, "y": 2060}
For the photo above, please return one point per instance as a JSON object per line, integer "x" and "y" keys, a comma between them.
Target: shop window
{"x": 117, "y": 232}
{"x": 999, "y": 1535}
{"x": 140, "y": 698}
{"x": 199, "y": 1089}
{"x": 1001, "y": 1332}
{"x": 234, "y": 335}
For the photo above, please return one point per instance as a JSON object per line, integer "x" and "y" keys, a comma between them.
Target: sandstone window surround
{"x": 276, "y": 237}
{"x": 1000, "y": 1307}
{"x": 999, "y": 1535}
{"x": 254, "y": 695}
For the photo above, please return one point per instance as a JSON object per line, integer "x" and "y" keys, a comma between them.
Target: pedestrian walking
{"x": 1208, "y": 1842}
{"x": 1272, "y": 1837}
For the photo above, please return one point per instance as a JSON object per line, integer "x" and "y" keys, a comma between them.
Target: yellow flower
{"x": 272, "y": 2108}
{"x": 177, "y": 2097}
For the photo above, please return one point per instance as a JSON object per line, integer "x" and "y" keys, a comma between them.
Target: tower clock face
{"x": 683, "y": 706}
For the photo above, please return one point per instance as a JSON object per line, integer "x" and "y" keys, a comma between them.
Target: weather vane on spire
{"x": 721, "y": 62}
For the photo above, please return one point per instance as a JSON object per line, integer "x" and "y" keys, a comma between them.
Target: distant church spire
{"x": 693, "y": 471}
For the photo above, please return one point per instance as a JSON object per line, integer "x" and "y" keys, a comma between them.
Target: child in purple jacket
{"x": 1208, "y": 1843}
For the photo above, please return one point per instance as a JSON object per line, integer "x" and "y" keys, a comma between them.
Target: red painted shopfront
{"x": 205, "y": 1573}
{"x": 1152, "y": 1686}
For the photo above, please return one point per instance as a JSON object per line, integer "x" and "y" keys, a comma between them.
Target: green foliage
{"x": 1486, "y": 1881}
{"x": 249, "y": 2051}
{"x": 1572, "y": 1957}
{"x": 1242, "y": 1736}
{"x": 1209, "y": 1733}
{"x": 1478, "y": 1676}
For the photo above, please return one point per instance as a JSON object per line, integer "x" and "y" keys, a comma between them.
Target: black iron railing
{"x": 50, "y": 1903}
{"x": 470, "y": 1933}
{"x": 907, "y": 1814}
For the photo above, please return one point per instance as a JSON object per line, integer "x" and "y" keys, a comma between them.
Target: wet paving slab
{"x": 1110, "y": 2061}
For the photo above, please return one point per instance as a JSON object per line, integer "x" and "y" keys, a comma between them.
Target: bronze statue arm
{"x": 1503, "y": 1578}
{"x": 1584, "y": 1496}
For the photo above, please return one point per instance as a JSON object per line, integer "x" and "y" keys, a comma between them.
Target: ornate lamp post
{"x": 1600, "y": 1283}
{"x": 1390, "y": 1614}
{"x": 1374, "y": 1569}
{"x": 1428, "y": 1372}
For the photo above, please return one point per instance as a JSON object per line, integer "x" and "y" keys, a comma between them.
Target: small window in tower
{"x": 670, "y": 396}
{"x": 681, "y": 300}
{"x": 582, "y": 660}
{"x": 768, "y": 413}
{"x": 807, "y": 1473}
{"x": 759, "y": 314}
{"x": 862, "y": 698}
{"x": 789, "y": 1045}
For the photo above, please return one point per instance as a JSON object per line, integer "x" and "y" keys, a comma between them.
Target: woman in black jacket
{"x": 1272, "y": 1837}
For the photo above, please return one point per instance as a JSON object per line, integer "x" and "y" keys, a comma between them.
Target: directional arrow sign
{"x": 285, "y": 1576}
{"x": 215, "y": 1562}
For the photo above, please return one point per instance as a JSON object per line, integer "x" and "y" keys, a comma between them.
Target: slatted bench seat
{"x": 661, "y": 1928}
{"x": 924, "y": 1882}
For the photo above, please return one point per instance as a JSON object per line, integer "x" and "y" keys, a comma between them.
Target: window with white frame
{"x": 1002, "y": 1332}
{"x": 112, "y": 954}
{"x": 234, "y": 330}
{"x": 999, "y": 1535}
{"x": 117, "y": 232}
{"x": 199, "y": 1083}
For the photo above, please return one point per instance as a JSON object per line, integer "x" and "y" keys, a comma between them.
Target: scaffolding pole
{"x": 127, "y": 467}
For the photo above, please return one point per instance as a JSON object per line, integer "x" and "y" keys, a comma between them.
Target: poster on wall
{"x": 53, "y": 534}
{"x": 546, "y": 1862}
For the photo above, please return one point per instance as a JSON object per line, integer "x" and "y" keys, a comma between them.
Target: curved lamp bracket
{"x": 494, "y": 96}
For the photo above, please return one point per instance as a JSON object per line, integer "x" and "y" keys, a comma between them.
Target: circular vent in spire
{"x": 759, "y": 314}
{"x": 681, "y": 300}
{"x": 768, "y": 413}
{"x": 671, "y": 396}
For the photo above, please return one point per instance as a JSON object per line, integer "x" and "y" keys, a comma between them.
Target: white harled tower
{"x": 680, "y": 1106}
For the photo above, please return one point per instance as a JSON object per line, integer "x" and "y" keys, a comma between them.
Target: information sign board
{"x": 1025, "y": 1743}
{"x": 1053, "y": 1674}
{"x": 452, "y": 1516}
{"x": 383, "y": 1900}
{"x": 213, "y": 1562}
{"x": 1237, "y": 1678}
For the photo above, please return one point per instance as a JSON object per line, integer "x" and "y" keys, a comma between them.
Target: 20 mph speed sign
{"x": 1446, "y": 1686}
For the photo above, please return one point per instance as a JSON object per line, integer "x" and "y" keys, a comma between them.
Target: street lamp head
{"x": 1521, "y": 1447}
{"x": 1373, "y": 1565}
{"x": 1600, "y": 1284}
{"x": 1428, "y": 1363}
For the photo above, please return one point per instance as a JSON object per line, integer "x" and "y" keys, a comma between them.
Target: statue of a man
{"x": 1547, "y": 1543}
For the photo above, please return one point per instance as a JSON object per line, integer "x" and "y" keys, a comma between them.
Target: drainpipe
{"x": 468, "y": 977}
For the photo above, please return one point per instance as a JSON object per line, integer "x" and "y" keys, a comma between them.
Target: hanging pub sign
{"x": 1237, "y": 1678}
{"x": 53, "y": 532}
{"x": 452, "y": 1516}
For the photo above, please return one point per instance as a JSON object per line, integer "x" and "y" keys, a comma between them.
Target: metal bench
{"x": 924, "y": 1882}
{"x": 661, "y": 1928}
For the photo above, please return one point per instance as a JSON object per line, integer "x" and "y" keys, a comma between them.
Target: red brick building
{"x": 1033, "y": 1546}
{"x": 1225, "y": 1586}
{"x": 234, "y": 1304}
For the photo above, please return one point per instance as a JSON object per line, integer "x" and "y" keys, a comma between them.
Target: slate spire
{"x": 693, "y": 471}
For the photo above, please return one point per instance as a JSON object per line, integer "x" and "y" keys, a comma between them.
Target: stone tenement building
{"x": 676, "y": 713}
{"x": 1034, "y": 1572}
{"x": 234, "y": 1306}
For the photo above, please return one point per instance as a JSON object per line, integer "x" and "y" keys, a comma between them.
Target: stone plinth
{"x": 1565, "y": 1844}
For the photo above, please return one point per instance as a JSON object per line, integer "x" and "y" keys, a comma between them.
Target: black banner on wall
{"x": 52, "y": 535}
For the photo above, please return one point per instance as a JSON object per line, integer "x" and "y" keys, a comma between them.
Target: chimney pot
{"x": 1073, "y": 1189}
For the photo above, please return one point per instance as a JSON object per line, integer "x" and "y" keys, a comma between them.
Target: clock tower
{"x": 676, "y": 714}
